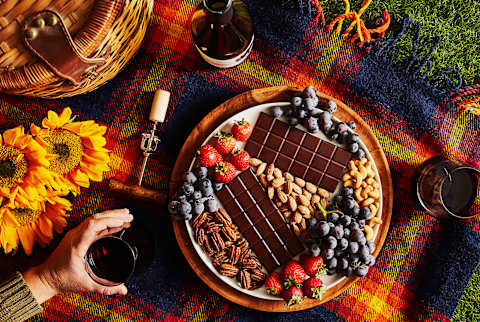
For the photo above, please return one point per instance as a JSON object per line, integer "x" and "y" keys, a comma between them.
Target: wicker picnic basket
{"x": 60, "y": 48}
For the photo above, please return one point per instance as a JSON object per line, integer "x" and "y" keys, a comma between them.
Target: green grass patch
{"x": 468, "y": 308}
{"x": 456, "y": 21}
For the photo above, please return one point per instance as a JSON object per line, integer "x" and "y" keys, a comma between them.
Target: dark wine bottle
{"x": 222, "y": 32}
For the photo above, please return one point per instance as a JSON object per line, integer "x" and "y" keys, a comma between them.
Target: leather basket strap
{"x": 86, "y": 42}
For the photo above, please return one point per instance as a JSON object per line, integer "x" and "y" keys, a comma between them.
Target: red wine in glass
{"x": 110, "y": 261}
{"x": 446, "y": 187}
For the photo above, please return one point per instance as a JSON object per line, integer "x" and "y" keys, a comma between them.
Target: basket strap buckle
{"x": 46, "y": 35}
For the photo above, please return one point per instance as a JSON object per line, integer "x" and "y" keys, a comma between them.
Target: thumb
{"x": 115, "y": 290}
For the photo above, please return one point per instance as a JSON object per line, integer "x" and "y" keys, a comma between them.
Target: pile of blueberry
{"x": 340, "y": 239}
{"x": 195, "y": 195}
{"x": 306, "y": 109}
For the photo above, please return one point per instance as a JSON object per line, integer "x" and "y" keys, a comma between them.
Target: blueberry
{"x": 348, "y": 203}
{"x": 333, "y": 217}
{"x": 352, "y": 247}
{"x": 315, "y": 250}
{"x": 363, "y": 253}
{"x": 196, "y": 195}
{"x": 204, "y": 183}
{"x": 276, "y": 111}
{"x": 345, "y": 220}
{"x": 325, "y": 118}
{"x": 371, "y": 260}
{"x": 338, "y": 232}
{"x": 187, "y": 189}
{"x": 342, "y": 244}
{"x": 296, "y": 101}
{"x": 315, "y": 100}
{"x": 365, "y": 213}
{"x": 327, "y": 253}
{"x": 293, "y": 121}
{"x": 346, "y": 232}
{"x": 352, "y": 147}
{"x": 338, "y": 200}
{"x": 217, "y": 186}
{"x": 316, "y": 112}
{"x": 201, "y": 172}
{"x": 312, "y": 222}
{"x": 361, "y": 271}
{"x": 355, "y": 211}
{"x": 184, "y": 208}
{"x": 310, "y": 92}
{"x": 331, "y": 224}
{"x": 301, "y": 114}
{"x": 342, "y": 263}
{"x": 323, "y": 228}
{"x": 339, "y": 252}
{"x": 354, "y": 260}
{"x": 287, "y": 110}
{"x": 356, "y": 234}
{"x": 182, "y": 198}
{"x": 187, "y": 217}
{"x": 342, "y": 128}
{"x": 347, "y": 191}
{"x": 353, "y": 138}
{"x": 326, "y": 128}
{"x": 198, "y": 207}
{"x": 207, "y": 192}
{"x": 173, "y": 207}
{"x": 189, "y": 177}
{"x": 353, "y": 226}
{"x": 361, "y": 223}
{"x": 360, "y": 154}
{"x": 309, "y": 104}
{"x": 311, "y": 124}
{"x": 212, "y": 205}
{"x": 342, "y": 138}
{"x": 330, "y": 242}
{"x": 352, "y": 125}
{"x": 331, "y": 263}
{"x": 362, "y": 240}
{"x": 331, "y": 107}
{"x": 371, "y": 246}
{"x": 348, "y": 272}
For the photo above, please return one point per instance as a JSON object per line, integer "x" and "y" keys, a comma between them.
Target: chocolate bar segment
{"x": 257, "y": 219}
{"x": 300, "y": 153}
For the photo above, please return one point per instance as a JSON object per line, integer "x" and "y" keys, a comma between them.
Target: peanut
{"x": 300, "y": 182}
{"x": 296, "y": 230}
{"x": 292, "y": 203}
{"x": 363, "y": 171}
{"x": 307, "y": 194}
{"x": 298, "y": 217}
{"x": 303, "y": 210}
{"x": 278, "y": 182}
{"x": 289, "y": 177}
{"x": 261, "y": 168}
{"x": 348, "y": 183}
{"x": 255, "y": 162}
{"x": 367, "y": 202}
{"x": 323, "y": 193}
{"x": 287, "y": 214}
{"x": 270, "y": 192}
{"x": 351, "y": 165}
{"x": 374, "y": 193}
{"x": 323, "y": 203}
{"x": 278, "y": 203}
{"x": 296, "y": 188}
{"x": 303, "y": 200}
{"x": 277, "y": 173}
{"x": 270, "y": 168}
{"x": 282, "y": 196}
{"x": 376, "y": 220}
{"x": 303, "y": 224}
{"x": 288, "y": 187}
{"x": 310, "y": 187}
{"x": 315, "y": 199}
{"x": 346, "y": 177}
{"x": 263, "y": 180}
{"x": 370, "y": 181}
{"x": 270, "y": 177}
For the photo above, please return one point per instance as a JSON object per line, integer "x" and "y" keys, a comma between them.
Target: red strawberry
{"x": 293, "y": 274}
{"x": 240, "y": 159}
{"x": 273, "y": 284}
{"x": 208, "y": 156}
{"x": 314, "y": 288}
{"x": 225, "y": 143}
{"x": 241, "y": 130}
{"x": 224, "y": 172}
{"x": 313, "y": 265}
{"x": 293, "y": 296}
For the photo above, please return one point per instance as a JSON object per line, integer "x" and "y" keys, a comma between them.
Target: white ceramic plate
{"x": 251, "y": 115}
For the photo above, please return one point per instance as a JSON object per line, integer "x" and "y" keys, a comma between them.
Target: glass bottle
{"x": 222, "y": 32}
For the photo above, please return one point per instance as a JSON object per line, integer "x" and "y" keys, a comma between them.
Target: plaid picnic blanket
{"x": 425, "y": 265}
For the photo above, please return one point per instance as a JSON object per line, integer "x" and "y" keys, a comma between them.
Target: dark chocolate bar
{"x": 300, "y": 153}
{"x": 259, "y": 220}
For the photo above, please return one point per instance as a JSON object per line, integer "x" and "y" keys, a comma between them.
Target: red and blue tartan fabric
{"x": 425, "y": 264}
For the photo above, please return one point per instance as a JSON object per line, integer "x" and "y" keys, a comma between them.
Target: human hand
{"x": 64, "y": 270}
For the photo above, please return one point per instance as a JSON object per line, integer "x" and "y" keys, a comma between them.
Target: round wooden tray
{"x": 206, "y": 126}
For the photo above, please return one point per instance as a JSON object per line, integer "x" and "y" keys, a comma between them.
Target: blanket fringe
{"x": 419, "y": 67}
{"x": 468, "y": 98}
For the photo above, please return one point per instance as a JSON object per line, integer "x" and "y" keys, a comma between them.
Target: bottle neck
{"x": 220, "y": 12}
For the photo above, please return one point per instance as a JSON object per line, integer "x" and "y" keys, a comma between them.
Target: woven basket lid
{"x": 88, "y": 22}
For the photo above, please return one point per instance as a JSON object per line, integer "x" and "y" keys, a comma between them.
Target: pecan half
{"x": 235, "y": 254}
{"x": 245, "y": 254}
{"x": 222, "y": 216}
{"x": 258, "y": 276}
{"x": 200, "y": 236}
{"x": 212, "y": 227}
{"x": 228, "y": 270}
{"x": 230, "y": 233}
{"x": 198, "y": 220}
{"x": 218, "y": 259}
{"x": 245, "y": 280}
{"x": 249, "y": 263}
{"x": 217, "y": 241}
